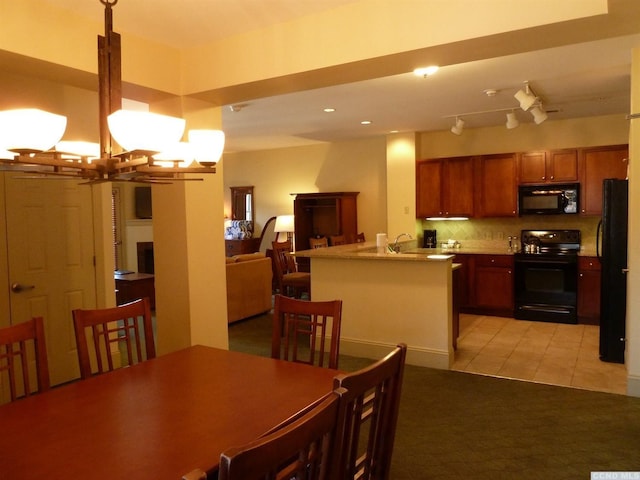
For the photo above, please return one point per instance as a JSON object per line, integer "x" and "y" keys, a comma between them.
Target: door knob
{"x": 17, "y": 288}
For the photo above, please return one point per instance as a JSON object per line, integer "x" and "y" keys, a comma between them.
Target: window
{"x": 116, "y": 227}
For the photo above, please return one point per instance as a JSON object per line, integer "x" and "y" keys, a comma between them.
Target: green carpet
{"x": 456, "y": 425}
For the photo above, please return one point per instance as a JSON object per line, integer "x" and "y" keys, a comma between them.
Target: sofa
{"x": 248, "y": 285}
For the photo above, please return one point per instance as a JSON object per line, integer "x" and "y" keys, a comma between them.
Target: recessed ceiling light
{"x": 329, "y": 110}
{"x": 426, "y": 71}
{"x": 365, "y": 122}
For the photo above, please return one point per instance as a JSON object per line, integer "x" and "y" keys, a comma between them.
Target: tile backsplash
{"x": 496, "y": 231}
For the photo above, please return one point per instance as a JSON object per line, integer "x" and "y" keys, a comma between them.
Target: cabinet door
{"x": 497, "y": 187}
{"x": 494, "y": 283}
{"x": 429, "y": 188}
{"x": 458, "y": 187}
{"x": 563, "y": 166}
{"x": 589, "y": 290}
{"x": 533, "y": 167}
{"x": 596, "y": 165}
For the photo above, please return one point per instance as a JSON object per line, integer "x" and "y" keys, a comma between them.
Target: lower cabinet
{"x": 486, "y": 284}
{"x": 589, "y": 290}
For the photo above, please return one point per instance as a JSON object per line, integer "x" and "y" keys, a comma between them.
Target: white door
{"x": 51, "y": 260}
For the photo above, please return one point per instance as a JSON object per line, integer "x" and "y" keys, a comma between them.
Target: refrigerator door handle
{"x": 625, "y": 270}
{"x": 598, "y": 230}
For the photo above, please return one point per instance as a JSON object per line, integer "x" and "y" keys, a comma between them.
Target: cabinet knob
{"x": 543, "y": 177}
{"x": 551, "y": 177}
{"x": 581, "y": 275}
{"x": 493, "y": 260}
{"x": 509, "y": 272}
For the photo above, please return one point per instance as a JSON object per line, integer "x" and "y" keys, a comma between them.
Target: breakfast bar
{"x": 388, "y": 298}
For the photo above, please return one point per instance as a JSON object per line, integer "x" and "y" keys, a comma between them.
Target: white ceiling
{"x": 572, "y": 81}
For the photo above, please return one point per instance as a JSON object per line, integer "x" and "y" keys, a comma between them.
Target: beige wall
{"x": 339, "y": 167}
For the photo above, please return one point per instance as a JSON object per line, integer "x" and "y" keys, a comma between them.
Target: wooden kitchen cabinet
{"x": 589, "y": 290}
{"x": 555, "y": 166}
{"x": 596, "y": 164}
{"x": 445, "y": 187}
{"x": 493, "y": 284}
{"x": 497, "y": 192}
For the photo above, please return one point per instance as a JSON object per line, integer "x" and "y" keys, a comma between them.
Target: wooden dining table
{"x": 157, "y": 420}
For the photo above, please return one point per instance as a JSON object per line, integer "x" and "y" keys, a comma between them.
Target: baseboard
{"x": 633, "y": 386}
{"x": 420, "y": 357}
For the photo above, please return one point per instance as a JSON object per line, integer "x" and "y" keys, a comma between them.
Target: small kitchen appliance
{"x": 430, "y": 239}
{"x": 546, "y": 276}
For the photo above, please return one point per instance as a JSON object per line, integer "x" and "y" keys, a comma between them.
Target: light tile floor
{"x": 551, "y": 353}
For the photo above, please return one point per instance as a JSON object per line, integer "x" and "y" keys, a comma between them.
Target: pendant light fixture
{"x": 129, "y": 140}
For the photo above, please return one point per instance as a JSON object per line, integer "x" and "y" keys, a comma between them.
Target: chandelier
{"x": 134, "y": 146}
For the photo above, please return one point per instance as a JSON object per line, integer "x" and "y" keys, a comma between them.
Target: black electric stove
{"x": 546, "y": 276}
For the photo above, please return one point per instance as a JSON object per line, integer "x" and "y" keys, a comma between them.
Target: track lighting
{"x": 458, "y": 127}
{"x": 512, "y": 121}
{"x": 526, "y": 97}
{"x": 539, "y": 115}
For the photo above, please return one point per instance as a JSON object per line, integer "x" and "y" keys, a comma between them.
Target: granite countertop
{"x": 369, "y": 251}
{"x": 410, "y": 251}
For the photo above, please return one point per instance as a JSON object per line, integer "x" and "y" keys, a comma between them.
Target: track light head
{"x": 525, "y": 97}
{"x": 539, "y": 115}
{"x": 458, "y": 127}
{"x": 512, "y": 121}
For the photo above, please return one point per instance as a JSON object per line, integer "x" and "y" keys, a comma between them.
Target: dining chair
{"x": 110, "y": 327}
{"x": 15, "y": 353}
{"x": 337, "y": 240}
{"x": 372, "y": 401}
{"x": 302, "y": 449}
{"x": 306, "y": 331}
{"x": 289, "y": 280}
{"x": 321, "y": 242}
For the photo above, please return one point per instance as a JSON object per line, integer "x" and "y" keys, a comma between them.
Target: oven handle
{"x": 598, "y": 230}
{"x": 539, "y": 261}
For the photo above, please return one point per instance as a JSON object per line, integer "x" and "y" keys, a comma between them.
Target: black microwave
{"x": 549, "y": 199}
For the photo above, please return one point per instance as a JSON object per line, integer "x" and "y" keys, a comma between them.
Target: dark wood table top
{"x": 156, "y": 420}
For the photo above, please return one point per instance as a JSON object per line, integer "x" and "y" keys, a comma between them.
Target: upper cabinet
{"x": 555, "y": 166}
{"x": 596, "y": 164}
{"x": 497, "y": 185}
{"x": 445, "y": 187}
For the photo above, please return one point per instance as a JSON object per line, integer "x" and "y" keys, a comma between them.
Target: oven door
{"x": 546, "y": 288}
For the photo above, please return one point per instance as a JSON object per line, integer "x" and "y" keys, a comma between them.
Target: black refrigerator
{"x": 613, "y": 260}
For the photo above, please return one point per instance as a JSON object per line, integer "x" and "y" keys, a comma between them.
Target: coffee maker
{"x": 430, "y": 239}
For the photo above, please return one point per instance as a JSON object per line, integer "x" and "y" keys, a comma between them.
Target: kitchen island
{"x": 388, "y": 298}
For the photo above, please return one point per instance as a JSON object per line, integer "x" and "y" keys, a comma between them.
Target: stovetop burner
{"x": 550, "y": 242}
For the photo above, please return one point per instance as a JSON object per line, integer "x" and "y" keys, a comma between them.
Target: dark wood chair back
{"x": 372, "y": 401}
{"x": 15, "y": 354}
{"x": 306, "y": 331}
{"x": 337, "y": 240}
{"x": 289, "y": 280}
{"x": 116, "y": 325}
{"x": 321, "y": 242}
{"x": 302, "y": 449}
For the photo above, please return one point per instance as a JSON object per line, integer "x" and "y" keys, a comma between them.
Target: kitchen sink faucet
{"x": 396, "y": 247}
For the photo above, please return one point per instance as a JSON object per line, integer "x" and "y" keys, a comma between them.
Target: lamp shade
{"x": 30, "y": 130}
{"x": 179, "y": 154}
{"x": 138, "y": 130}
{"x": 512, "y": 121}
{"x": 206, "y": 146}
{"x": 284, "y": 223}
{"x": 89, "y": 150}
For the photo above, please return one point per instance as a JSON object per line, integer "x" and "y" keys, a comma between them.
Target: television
{"x": 143, "y": 202}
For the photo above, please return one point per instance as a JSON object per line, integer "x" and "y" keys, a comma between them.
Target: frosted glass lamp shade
{"x": 30, "y": 130}
{"x": 138, "y": 130}
{"x": 89, "y": 150}
{"x": 206, "y": 146}
{"x": 179, "y": 154}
